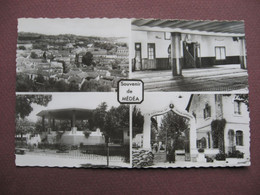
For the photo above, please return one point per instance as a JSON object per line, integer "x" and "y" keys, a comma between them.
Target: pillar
{"x": 147, "y": 132}
{"x": 176, "y": 54}
{"x": 49, "y": 124}
{"x": 73, "y": 122}
{"x": 43, "y": 123}
{"x": 243, "y": 64}
{"x": 193, "y": 140}
{"x": 53, "y": 123}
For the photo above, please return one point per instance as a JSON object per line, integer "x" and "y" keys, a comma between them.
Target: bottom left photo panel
{"x": 81, "y": 130}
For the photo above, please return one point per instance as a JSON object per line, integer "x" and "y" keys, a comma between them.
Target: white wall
{"x": 161, "y": 45}
{"x": 197, "y": 105}
{"x": 207, "y": 44}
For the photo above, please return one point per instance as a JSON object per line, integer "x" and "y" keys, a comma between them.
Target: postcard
{"x": 131, "y": 93}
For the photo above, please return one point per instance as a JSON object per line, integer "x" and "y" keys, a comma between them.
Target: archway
{"x": 188, "y": 134}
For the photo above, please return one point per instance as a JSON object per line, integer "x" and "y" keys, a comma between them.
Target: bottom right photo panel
{"x": 171, "y": 130}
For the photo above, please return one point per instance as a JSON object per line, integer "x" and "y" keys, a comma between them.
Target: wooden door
{"x": 151, "y": 62}
{"x": 138, "y": 57}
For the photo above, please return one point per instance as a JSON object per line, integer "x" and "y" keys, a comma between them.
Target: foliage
{"x": 73, "y": 86}
{"x": 24, "y": 103}
{"x": 87, "y": 59}
{"x": 21, "y": 47}
{"x": 87, "y": 133}
{"x": 201, "y": 150}
{"x": 138, "y": 121}
{"x": 24, "y": 126}
{"x": 235, "y": 154}
{"x": 93, "y": 85}
{"x": 174, "y": 126}
{"x": 218, "y": 127}
{"x": 242, "y": 98}
{"x": 110, "y": 122}
{"x": 33, "y": 55}
{"x": 23, "y": 83}
{"x": 221, "y": 156}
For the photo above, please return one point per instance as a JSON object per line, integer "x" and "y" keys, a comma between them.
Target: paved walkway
{"x": 47, "y": 160}
{"x": 185, "y": 164}
{"x": 216, "y": 78}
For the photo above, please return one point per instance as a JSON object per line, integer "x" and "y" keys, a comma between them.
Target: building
{"x": 72, "y": 137}
{"x": 218, "y": 127}
{"x": 209, "y": 108}
{"x": 179, "y": 44}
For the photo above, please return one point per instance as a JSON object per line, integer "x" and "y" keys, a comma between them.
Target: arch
{"x": 184, "y": 113}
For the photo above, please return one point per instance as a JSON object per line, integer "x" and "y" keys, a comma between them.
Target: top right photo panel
{"x": 189, "y": 55}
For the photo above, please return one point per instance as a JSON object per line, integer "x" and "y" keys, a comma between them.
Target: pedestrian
{"x": 171, "y": 154}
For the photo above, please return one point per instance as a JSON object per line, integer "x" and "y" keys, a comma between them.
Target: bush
{"x": 236, "y": 154}
{"x": 221, "y": 156}
{"x": 209, "y": 159}
{"x": 201, "y": 150}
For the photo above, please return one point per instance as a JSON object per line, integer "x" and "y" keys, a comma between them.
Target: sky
{"x": 156, "y": 102}
{"x": 75, "y": 100}
{"x": 152, "y": 101}
{"x": 79, "y": 26}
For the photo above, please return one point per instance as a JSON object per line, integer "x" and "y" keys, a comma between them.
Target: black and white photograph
{"x": 71, "y": 55}
{"x": 191, "y": 130}
{"x": 81, "y": 130}
{"x": 189, "y": 55}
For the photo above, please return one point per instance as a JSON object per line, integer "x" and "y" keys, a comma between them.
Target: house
{"x": 232, "y": 111}
{"x": 122, "y": 52}
{"x": 177, "y": 44}
{"x": 217, "y": 129}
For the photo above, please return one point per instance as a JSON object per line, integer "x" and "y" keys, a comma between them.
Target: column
{"x": 73, "y": 122}
{"x": 43, "y": 123}
{"x": 243, "y": 64}
{"x": 49, "y": 124}
{"x": 176, "y": 54}
{"x": 147, "y": 132}
{"x": 193, "y": 140}
{"x": 53, "y": 123}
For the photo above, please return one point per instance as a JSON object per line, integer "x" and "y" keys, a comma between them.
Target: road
{"x": 216, "y": 78}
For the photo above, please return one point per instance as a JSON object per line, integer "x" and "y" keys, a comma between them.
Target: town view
{"x": 70, "y": 63}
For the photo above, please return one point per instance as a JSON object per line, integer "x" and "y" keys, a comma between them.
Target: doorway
{"x": 151, "y": 63}
{"x": 138, "y": 57}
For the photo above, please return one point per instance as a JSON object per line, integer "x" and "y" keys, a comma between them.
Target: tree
{"x": 218, "y": 127}
{"x": 99, "y": 115}
{"x": 172, "y": 128}
{"x": 73, "y": 86}
{"x": 24, "y": 103}
{"x": 87, "y": 59}
{"x": 242, "y": 98}
{"x": 44, "y": 55}
{"x": 138, "y": 121}
{"x": 23, "y": 126}
{"x": 33, "y": 55}
{"x": 23, "y": 83}
{"x": 21, "y": 47}
{"x": 61, "y": 86}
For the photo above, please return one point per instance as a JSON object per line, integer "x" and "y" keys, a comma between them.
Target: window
{"x": 220, "y": 53}
{"x": 151, "y": 51}
{"x": 202, "y": 143}
{"x": 167, "y": 35}
{"x": 237, "y": 107}
{"x": 239, "y": 138}
{"x": 209, "y": 141}
{"x": 207, "y": 111}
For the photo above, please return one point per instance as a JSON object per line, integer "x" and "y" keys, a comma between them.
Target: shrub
{"x": 209, "y": 159}
{"x": 221, "y": 156}
{"x": 236, "y": 154}
{"x": 201, "y": 150}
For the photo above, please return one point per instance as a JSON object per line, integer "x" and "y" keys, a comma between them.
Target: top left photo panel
{"x": 72, "y": 55}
